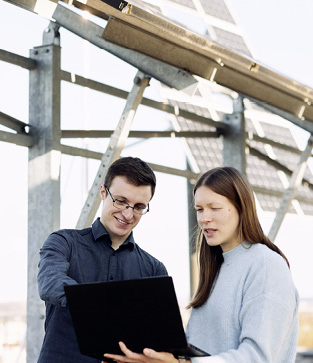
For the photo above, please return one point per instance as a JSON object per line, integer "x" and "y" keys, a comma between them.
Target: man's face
{"x": 119, "y": 223}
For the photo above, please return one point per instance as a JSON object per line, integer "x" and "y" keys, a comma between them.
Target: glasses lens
{"x": 141, "y": 211}
{"x": 137, "y": 209}
{"x": 120, "y": 204}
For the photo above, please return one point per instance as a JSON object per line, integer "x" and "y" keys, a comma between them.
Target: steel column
{"x": 234, "y": 140}
{"x": 290, "y": 192}
{"x": 192, "y": 227}
{"x": 114, "y": 149}
{"x": 43, "y": 178}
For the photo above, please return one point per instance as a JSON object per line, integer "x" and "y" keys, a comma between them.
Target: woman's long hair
{"x": 232, "y": 184}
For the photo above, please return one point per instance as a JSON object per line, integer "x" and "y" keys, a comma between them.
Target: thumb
{"x": 161, "y": 356}
{"x": 150, "y": 353}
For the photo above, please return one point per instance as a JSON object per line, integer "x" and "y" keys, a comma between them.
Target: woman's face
{"x": 218, "y": 219}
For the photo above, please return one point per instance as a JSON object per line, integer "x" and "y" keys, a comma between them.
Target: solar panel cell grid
{"x": 218, "y": 9}
{"x": 268, "y": 181}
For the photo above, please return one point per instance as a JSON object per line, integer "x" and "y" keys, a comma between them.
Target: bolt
{"x": 137, "y": 81}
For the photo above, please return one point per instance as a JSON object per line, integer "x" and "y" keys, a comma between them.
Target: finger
{"x": 117, "y": 357}
{"x": 114, "y": 356}
{"x": 130, "y": 357}
{"x": 150, "y": 353}
{"x": 161, "y": 356}
{"x": 125, "y": 350}
{"x": 131, "y": 354}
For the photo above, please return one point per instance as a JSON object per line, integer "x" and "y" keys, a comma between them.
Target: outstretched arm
{"x": 53, "y": 270}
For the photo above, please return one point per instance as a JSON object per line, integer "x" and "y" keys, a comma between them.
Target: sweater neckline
{"x": 236, "y": 252}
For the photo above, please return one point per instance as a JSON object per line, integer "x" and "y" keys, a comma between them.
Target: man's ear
{"x": 103, "y": 191}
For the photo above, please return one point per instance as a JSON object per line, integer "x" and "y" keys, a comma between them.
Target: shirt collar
{"x": 99, "y": 232}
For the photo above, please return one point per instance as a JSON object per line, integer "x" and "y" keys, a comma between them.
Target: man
{"x": 106, "y": 251}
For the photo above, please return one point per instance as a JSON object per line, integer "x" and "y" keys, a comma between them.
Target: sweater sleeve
{"x": 53, "y": 268}
{"x": 268, "y": 318}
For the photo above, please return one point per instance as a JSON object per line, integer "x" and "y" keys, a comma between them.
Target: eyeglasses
{"x": 121, "y": 204}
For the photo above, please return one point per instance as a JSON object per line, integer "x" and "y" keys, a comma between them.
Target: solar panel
{"x": 268, "y": 181}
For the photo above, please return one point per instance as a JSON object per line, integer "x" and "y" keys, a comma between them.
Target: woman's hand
{"x": 148, "y": 356}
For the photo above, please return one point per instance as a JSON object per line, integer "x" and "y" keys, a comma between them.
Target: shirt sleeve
{"x": 161, "y": 270}
{"x": 53, "y": 267}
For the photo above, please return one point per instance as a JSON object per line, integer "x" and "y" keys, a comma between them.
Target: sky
{"x": 279, "y": 34}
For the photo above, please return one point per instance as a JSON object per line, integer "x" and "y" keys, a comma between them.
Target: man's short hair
{"x": 135, "y": 170}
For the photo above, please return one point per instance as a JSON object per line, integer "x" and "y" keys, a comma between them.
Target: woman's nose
{"x": 205, "y": 216}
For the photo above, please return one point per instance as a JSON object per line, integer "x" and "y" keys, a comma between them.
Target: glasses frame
{"x": 127, "y": 206}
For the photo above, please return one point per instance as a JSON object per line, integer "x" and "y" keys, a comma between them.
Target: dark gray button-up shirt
{"x": 82, "y": 256}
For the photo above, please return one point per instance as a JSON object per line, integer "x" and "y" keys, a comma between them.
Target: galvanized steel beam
{"x": 18, "y": 60}
{"x": 277, "y": 165}
{"x": 75, "y": 151}
{"x": 43, "y": 178}
{"x": 12, "y": 123}
{"x": 138, "y": 134}
{"x": 295, "y": 119}
{"x": 161, "y": 106}
{"x": 234, "y": 139}
{"x": 165, "y": 73}
{"x": 290, "y": 192}
{"x": 17, "y": 139}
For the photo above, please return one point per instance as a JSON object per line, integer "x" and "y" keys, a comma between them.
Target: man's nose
{"x": 128, "y": 213}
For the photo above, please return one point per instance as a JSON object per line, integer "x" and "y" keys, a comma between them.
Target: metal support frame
{"x": 157, "y": 105}
{"x": 43, "y": 178}
{"x": 167, "y": 74}
{"x": 138, "y": 134}
{"x": 114, "y": 149}
{"x": 294, "y": 183}
{"x": 17, "y": 59}
{"x": 277, "y": 165}
{"x": 298, "y": 121}
{"x": 234, "y": 140}
{"x": 192, "y": 227}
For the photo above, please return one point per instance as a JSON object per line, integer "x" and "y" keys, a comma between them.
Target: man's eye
{"x": 120, "y": 202}
{"x": 199, "y": 209}
{"x": 140, "y": 207}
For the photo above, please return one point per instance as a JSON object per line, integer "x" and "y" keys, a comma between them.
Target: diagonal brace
{"x": 114, "y": 149}
{"x": 290, "y": 192}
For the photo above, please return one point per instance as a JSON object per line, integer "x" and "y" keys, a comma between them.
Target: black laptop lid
{"x": 141, "y": 313}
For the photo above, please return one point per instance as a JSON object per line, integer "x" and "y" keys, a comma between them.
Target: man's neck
{"x": 116, "y": 244}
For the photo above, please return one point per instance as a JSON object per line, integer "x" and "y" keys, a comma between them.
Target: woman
{"x": 245, "y": 309}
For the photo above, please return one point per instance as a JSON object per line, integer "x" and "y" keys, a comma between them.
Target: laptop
{"x": 142, "y": 313}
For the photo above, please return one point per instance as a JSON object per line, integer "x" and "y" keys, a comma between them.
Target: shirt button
{"x": 113, "y": 253}
{"x": 111, "y": 277}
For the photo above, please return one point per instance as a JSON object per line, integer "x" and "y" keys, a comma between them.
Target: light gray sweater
{"x": 252, "y": 314}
